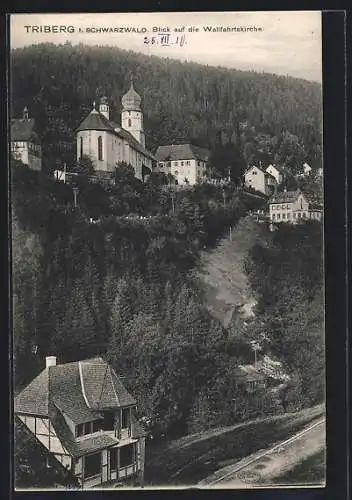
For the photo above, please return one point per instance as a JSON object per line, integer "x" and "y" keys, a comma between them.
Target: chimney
{"x": 50, "y": 361}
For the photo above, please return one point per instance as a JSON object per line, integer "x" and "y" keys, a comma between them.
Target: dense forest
{"x": 124, "y": 287}
{"x": 116, "y": 274}
{"x": 242, "y": 117}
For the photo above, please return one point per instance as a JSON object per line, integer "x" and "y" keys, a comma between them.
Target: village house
{"x": 106, "y": 143}
{"x": 291, "y": 206}
{"x": 25, "y": 143}
{"x": 188, "y": 164}
{"x": 307, "y": 169}
{"x": 85, "y": 418}
{"x": 257, "y": 178}
{"x": 276, "y": 172}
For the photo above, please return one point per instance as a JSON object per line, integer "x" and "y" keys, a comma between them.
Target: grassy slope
{"x": 191, "y": 459}
{"x": 222, "y": 276}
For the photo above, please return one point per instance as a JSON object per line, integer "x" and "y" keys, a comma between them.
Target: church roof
{"x": 22, "y": 129}
{"x": 131, "y": 101}
{"x": 95, "y": 121}
{"x": 172, "y": 152}
{"x": 125, "y": 134}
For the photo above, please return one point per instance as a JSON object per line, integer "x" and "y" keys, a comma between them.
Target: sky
{"x": 286, "y": 43}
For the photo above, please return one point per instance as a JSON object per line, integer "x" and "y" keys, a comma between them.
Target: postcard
{"x": 167, "y": 250}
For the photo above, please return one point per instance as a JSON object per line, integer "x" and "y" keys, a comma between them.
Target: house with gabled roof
{"x": 292, "y": 207}
{"x": 278, "y": 172}
{"x": 86, "y": 419}
{"x": 25, "y": 142}
{"x": 187, "y": 163}
{"x": 258, "y": 178}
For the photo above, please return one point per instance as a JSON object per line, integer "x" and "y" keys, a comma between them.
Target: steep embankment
{"x": 222, "y": 275}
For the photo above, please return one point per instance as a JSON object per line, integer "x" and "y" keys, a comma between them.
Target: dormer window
{"x": 88, "y": 428}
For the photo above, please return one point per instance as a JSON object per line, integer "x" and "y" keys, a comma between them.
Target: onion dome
{"x": 131, "y": 101}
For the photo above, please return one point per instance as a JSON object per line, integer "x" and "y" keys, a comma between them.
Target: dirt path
{"x": 260, "y": 469}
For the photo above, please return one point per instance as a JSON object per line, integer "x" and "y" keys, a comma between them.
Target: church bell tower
{"x": 132, "y": 115}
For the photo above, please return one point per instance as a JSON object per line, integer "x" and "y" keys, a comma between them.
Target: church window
{"x": 100, "y": 148}
{"x": 81, "y": 147}
{"x": 129, "y": 122}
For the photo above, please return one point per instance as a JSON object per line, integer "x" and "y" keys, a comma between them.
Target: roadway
{"x": 258, "y": 470}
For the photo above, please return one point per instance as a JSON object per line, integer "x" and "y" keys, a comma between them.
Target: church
{"x": 106, "y": 143}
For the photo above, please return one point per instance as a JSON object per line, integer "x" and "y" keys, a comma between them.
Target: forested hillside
{"x": 241, "y": 116}
{"x": 124, "y": 288}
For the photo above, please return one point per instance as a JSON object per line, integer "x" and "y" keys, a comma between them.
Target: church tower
{"x": 131, "y": 115}
{"x": 104, "y": 107}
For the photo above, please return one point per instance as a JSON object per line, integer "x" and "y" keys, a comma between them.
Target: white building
{"x": 276, "y": 172}
{"x": 188, "y": 164}
{"x": 25, "y": 143}
{"x": 292, "y": 207}
{"x": 106, "y": 143}
{"x": 260, "y": 180}
{"x": 307, "y": 169}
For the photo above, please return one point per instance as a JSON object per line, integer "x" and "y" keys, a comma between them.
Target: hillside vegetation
{"x": 123, "y": 287}
{"x": 241, "y": 116}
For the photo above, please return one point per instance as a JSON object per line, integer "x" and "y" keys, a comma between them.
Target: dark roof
{"x": 34, "y": 398}
{"x": 131, "y": 100}
{"x": 97, "y": 121}
{"x": 86, "y": 444}
{"x": 23, "y": 130}
{"x": 314, "y": 205}
{"x": 78, "y": 389}
{"x": 285, "y": 196}
{"x": 66, "y": 393}
{"x": 125, "y": 134}
{"x": 172, "y": 152}
{"x": 101, "y": 387}
{"x": 94, "y": 442}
